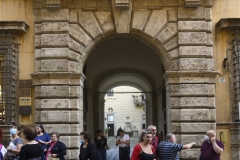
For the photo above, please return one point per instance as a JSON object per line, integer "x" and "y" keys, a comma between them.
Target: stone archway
{"x": 64, "y": 37}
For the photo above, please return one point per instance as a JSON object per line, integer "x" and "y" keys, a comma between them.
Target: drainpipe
{"x": 236, "y": 67}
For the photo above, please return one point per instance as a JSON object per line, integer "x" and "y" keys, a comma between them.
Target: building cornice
{"x": 229, "y": 23}
{"x": 14, "y": 27}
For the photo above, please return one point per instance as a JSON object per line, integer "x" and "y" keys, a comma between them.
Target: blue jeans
{"x": 101, "y": 153}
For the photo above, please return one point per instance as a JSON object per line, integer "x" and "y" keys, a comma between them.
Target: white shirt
{"x": 124, "y": 138}
{"x": 3, "y": 150}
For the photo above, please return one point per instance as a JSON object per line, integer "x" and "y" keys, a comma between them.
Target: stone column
{"x": 148, "y": 111}
{"x": 101, "y": 105}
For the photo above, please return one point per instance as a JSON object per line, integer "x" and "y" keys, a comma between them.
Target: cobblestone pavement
{"x": 112, "y": 154}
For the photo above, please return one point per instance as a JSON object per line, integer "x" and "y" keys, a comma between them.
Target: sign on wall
{"x": 25, "y": 101}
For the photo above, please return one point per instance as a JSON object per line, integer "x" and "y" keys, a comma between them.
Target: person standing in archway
{"x": 154, "y": 141}
{"x": 101, "y": 143}
{"x": 123, "y": 141}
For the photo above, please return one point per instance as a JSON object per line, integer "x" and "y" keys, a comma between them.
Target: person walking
{"x": 168, "y": 150}
{"x": 144, "y": 150}
{"x": 211, "y": 148}
{"x": 42, "y": 138}
{"x": 101, "y": 143}
{"x": 32, "y": 150}
{"x": 87, "y": 149}
{"x": 123, "y": 141}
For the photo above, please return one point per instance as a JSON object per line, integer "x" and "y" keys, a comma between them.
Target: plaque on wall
{"x": 25, "y": 110}
{"x": 25, "y": 101}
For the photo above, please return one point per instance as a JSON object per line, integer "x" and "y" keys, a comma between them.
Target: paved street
{"x": 112, "y": 154}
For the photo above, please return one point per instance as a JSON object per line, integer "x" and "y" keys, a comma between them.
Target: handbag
{"x": 10, "y": 156}
{"x": 52, "y": 158}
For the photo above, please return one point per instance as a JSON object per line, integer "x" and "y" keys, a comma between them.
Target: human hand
{"x": 213, "y": 139}
{"x": 53, "y": 155}
{"x": 45, "y": 150}
{"x": 41, "y": 141}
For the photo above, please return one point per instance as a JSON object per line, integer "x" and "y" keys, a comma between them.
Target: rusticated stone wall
{"x": 181, "y": 36}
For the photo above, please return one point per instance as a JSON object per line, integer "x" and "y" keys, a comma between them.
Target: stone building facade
{"x": 182, "y": 53}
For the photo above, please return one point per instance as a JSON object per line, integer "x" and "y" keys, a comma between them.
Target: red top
{"x": 154, "y": 143}
{"x": 136, "y": 152}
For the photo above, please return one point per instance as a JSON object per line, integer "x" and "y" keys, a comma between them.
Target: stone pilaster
{"x": 190, "y": 106}
{"x": 101, "y": 113}
{"x": 58, "y": 81}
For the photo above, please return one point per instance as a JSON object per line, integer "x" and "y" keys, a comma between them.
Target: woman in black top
{"x": 101, "y": 143}
{"x": 87, "y": 149}
{"x": 55, "y": 148}
{"x": 32, "y": 150}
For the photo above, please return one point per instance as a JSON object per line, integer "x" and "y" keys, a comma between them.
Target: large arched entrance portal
{"x": 134, "y": 39}
{"x": 124, "y": 62}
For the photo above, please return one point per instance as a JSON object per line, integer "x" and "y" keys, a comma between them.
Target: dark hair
{"x": 40, "y": 126}
{"x": 30, "y": 133}
{"x": 86, "y": 135}
{"x": 144, "y": 133}
{"x": 17, "y": 126}
{"x": 57, "y": 134}
{"x": 99, "y": 131}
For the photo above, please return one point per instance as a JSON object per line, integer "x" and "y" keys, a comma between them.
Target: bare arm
{"x": 216, "y": 148}
{"x": 189, "y": 145}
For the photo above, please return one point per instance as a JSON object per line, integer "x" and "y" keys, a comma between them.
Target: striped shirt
{"x": 168, "y": 150}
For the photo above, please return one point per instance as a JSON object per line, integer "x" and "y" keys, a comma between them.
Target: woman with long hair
{"x": 32, "y": 150}
{"x": 42, "y": 138}
{"x": 144, "y": 150}
{"x": 123, "y": 141}
{"x": 15, "y": 144}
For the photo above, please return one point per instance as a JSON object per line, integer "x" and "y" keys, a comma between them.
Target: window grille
{"x": 236, "y": 68}
{"x": 8, "y": 50}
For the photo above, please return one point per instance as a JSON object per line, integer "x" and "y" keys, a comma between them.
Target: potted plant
{"x": 106, "y": 132}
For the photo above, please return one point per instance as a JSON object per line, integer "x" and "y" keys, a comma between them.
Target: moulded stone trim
{"x": 156, "y": 22}
{"x": 197, "y": 127}
{"x": 172, "y": 15}
{"x": 37, "y": 40}
{"x": 195, "y": 52}
{"x": 37, "y": 29}
{"x": 55, "y": 15}
{"x": 89, "y": 23}
{"x": 167, "y": 33}
{"x": 106, "y": 21}
{"x": 139, "y": 20}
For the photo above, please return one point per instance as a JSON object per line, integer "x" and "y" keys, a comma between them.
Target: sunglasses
{"x": 148, "y": 136}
